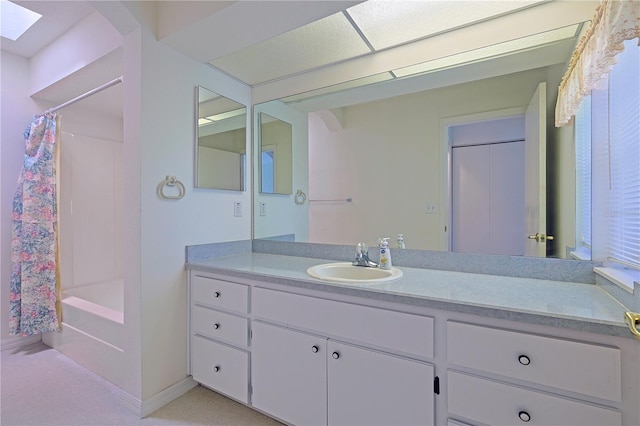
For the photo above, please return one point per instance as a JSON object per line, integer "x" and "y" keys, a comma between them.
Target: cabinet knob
{"x": 524, "y": 360}
{"x": 216, "y": 368}
{"x": 216, "y": 294}
{"x": 216, "y": 326}
{"x": 314, "y": 349}
{"x": 524, "y": 416}
{"x": 335, "y": 355}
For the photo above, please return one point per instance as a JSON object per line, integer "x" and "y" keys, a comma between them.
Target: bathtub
{"x": 93, "y": 328}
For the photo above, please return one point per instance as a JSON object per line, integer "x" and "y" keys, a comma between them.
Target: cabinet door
{"x": 288, "y": 374}
{"x": 367, "y": 387}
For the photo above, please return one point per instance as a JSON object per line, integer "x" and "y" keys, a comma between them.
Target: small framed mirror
{"x": 276, "y": 175}
{"x": 221, "y": 142}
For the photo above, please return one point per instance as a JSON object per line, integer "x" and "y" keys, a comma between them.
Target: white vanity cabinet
{"x": 498, "y": 376}
{"x": 219, "y": 335}
{"x": 307, "y": 379}
{"x": 288, "y": 374}
{"x": 318, "y": 361}
{"x": 367, "y": 387}
{"x": 315, "y": 357}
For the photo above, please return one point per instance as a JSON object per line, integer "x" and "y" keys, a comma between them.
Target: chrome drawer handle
{"x": 314, "y": 349}
{"x": 216, "y": 294}
{"x": 216, "y": 368}
{"x": 335, "y": 355}
{"x": 524, "y": 360}
{"x": 216, "y": 326}
{"x": 524, "y": 416}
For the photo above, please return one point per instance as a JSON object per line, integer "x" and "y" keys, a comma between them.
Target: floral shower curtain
{"x": 34, "y": 291}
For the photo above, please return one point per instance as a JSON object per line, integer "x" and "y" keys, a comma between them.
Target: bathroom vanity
{"x": 433, "y": 347}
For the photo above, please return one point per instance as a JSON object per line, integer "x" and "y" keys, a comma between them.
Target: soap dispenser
{"x": 400, "y": 241}
{"x": 385, "y": 254}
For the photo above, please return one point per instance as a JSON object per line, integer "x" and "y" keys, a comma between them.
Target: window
{"x": 268, "y": 170}
{"x": 583, "y": 180}
{"x": 616, "y": 164}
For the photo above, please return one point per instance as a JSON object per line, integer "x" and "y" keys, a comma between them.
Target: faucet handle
{"x": 361, "y": 248}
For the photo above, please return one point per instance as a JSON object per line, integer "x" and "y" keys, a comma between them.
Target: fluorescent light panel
{"x": 390, "y": 23}
{"x": 492, "y": 51}
{"x": 16, "y": 20}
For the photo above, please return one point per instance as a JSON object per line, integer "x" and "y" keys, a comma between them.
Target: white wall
{"x": 167, "y": 145}
{"x": 387, "y": 158}
{"x": 16, "y": 112}
{"x": 158, "y": 134}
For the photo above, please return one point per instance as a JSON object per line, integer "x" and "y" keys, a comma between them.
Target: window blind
{"x": 622, "y": 214}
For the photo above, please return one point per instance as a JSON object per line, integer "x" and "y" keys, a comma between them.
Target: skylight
{"x": 16, "y": 20}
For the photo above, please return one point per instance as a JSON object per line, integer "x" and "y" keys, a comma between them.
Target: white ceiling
{"x": 57, "y": 18}
{"x": 268, "y": 44}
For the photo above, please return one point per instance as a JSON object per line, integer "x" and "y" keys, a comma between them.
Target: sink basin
{"x": 345, "y": 272}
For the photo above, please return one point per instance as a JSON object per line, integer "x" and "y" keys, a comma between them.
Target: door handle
{"x": 541, "y": 238}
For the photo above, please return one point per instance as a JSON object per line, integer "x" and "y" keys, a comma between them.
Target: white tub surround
{"x": 92, "y": 331}
{"x": 433, "y": 347}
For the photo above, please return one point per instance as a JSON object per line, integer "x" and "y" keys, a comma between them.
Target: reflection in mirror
{"x": 276, "y": 140}
{"x": 389, "y": 151}
{"x": 221, "y": 141}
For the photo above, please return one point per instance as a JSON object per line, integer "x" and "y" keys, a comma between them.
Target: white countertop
{"x": 578, "y": 306}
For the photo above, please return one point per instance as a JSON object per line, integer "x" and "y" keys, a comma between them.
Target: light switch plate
{"x": 237, "y": 208}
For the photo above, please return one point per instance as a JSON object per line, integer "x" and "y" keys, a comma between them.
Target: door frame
{"x": 444, "y": 242}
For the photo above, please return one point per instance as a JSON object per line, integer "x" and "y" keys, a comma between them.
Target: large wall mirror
{"x": 221, "y": 142}
{"x": 275, "y": 142}
{"x": 380, "y": 158}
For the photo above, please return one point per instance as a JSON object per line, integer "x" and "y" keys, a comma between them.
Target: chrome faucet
{"x": 362, "y": 257}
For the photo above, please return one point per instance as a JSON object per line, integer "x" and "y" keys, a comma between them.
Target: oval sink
{"x": 345, "y": 272}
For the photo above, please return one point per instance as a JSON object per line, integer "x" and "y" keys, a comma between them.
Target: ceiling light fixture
{"x": 16, "y": 20}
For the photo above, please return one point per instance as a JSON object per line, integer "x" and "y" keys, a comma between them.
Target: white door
{"x": 288, "y": 374}
{"x": 535, "y": 198}
{"x": 487, "y": 199}
{"x": 367, "y": 387}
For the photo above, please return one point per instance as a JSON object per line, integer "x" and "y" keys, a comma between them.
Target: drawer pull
{"x": 524, "y": 416}
{"x": 524, "y": 360}
{"x": 335, "y": 355}
{"x": 216, "y": 294}
{"x": 216, "y": 368}
{"x": 216, "y": 326}
{"x": 314, "y": 349}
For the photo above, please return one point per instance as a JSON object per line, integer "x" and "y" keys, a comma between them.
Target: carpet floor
{"x": 40, "y": 386}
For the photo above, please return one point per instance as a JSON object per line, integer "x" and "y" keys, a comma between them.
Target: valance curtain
{"x": 615, "y": 21}
{"x": 34, "y": 287}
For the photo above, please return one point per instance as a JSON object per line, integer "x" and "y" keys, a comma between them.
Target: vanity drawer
{"x": 398, "y": 331}
{"x": 495, "y": 403}
{"x": 221, "y": 368}
{"x": 219, "y": 325}
{"x": 219, "y": 294}
{"x": 573, "y": 366}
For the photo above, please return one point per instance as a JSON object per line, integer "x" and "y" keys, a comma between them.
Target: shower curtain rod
{"x": 89, "y": 93}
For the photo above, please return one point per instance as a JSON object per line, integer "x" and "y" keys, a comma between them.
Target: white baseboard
{"x": 148, "y": 406}
{"x": 18, "y": 342}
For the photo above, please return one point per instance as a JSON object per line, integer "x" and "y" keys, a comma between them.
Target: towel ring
{"x": 171, "y": 181}
{"x": 300, "y": 197}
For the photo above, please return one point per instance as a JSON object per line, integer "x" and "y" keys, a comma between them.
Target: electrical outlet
{"x": 263, "y": 209}
{"x": 237, "y": 208}
{"x": 430, "y": 208}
